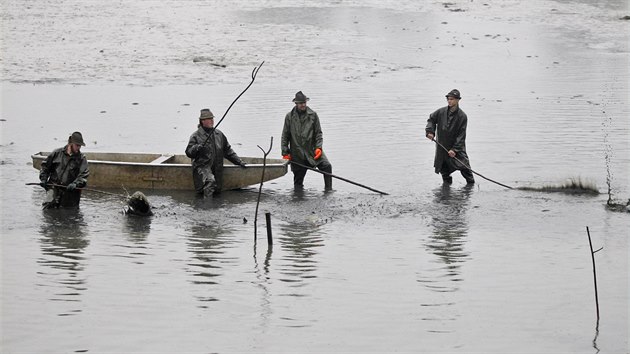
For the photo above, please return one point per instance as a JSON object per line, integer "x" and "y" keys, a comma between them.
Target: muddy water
{"x": 426, "y": 268}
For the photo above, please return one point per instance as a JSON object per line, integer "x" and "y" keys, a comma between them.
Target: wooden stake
{"x": 262, "y": 179}
{"x": 594, "y": 273}
{"x": 269, "y": 237}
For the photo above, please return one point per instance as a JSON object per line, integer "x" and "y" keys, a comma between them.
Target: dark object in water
{"x": 570, "y": 186}
{"x": 138, "y": 204}
{"x": 618, "y": 207}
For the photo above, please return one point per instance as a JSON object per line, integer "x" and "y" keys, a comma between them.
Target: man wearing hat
{"x": 63, "y": 173}
{"x": 449, "y": 125}
{"x": 207, "y": 147}
{"x": 302, "y": 142}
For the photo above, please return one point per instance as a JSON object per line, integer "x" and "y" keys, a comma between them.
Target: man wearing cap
{"x": 302, "y": 142}
{"x": 207, "y": 147}
{"x": 63, "y": 173}
{"x": 449, "y": 124}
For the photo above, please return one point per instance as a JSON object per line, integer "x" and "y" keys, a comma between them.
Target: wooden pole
{"x": 471, "y": 170}
{"x": 341, "y": 178}
{"x": 594, "y": 273}
{"x": 262, "y": 179}
{"x": 254, "y": 73}
{"x": 80, "y": 189}
{"x": 269, "y": 237}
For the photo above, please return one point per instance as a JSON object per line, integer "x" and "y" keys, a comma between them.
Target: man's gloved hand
{"x": 198, "y": 149}
{"x": 318, "y": 153}
{"x": 286, "y": 157}
{"x": 243, "y": 165}
{"x": 72, "y": 186}
{"x": 43, "y": 185}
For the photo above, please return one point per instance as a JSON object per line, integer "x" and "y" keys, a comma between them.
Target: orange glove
{"x": 318, "y": 153}
{"x": 286, "y": 157}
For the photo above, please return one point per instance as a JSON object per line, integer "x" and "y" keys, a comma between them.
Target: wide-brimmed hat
{"x": 454, "y": 93}
{"x": 76, "y": 138}
{"x": 206, "y": 114}
{"x": 300, "y": 97}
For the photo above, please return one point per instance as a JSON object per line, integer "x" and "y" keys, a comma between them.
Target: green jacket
{"x": 209, "y": 155}
{"x": 61, "y": 168}
{"x": 301, "y": 135}
{"x": 451, "y": 133}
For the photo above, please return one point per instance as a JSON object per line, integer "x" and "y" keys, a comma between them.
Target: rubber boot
{"x": 327, "y": 183}
{"x": 468, "y": 175}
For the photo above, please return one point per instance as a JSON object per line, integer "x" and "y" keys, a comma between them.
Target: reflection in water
{"x": 137, "y": 227}
{"x": 595, "y": 339}
{"x": 266, "y": 264}
{"x": 207, "y": 244}
{"x": 450, "y": 227}
{"x": 63, "y": 242}
{"x": 300, "y": 241}
{"x": 262, "y": 277}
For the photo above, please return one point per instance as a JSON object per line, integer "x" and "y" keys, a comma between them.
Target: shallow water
{"x": 424, "y": 269}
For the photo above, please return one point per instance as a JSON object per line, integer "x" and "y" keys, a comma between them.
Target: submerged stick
{"x": 341, "y": 178}
{"x": 594, "y": 273}
{"x": 471, "y": 170}
{"x": 262, "y": 179}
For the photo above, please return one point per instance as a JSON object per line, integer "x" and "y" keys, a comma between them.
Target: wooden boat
{"x": 166, "y": 171}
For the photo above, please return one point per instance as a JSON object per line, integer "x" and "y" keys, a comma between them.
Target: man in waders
{"x": 302, "y": 142}
{"x": 207, "y": 147}
{"x": 449, "y": 124}
{"x": 63, "y": 173}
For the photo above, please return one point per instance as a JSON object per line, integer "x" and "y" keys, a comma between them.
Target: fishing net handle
{"x": 254, "y": 73}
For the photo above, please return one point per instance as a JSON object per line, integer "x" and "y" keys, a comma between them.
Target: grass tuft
{"x": 571, "y": 186}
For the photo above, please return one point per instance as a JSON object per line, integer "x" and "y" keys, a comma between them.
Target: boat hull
{"x": 167, "y": 171}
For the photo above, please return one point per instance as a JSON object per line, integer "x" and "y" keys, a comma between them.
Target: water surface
{"x": 427, "y": 268}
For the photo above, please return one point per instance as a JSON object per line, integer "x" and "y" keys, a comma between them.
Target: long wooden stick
{"x": 471, "y": 170}
{"x": 341, "y": 178}
{"x": 254, "y": 73}
{"x": 590, "y": 243}
{"x": 262, "y": 179}
{"x": 80, "y": 189}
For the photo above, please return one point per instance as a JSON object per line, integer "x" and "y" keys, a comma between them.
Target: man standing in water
{"x": 207, "y": 147}
{"x": 63, "y": 172}
{"x": 449, "y": 124}
{"x": 302, "y": 142}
